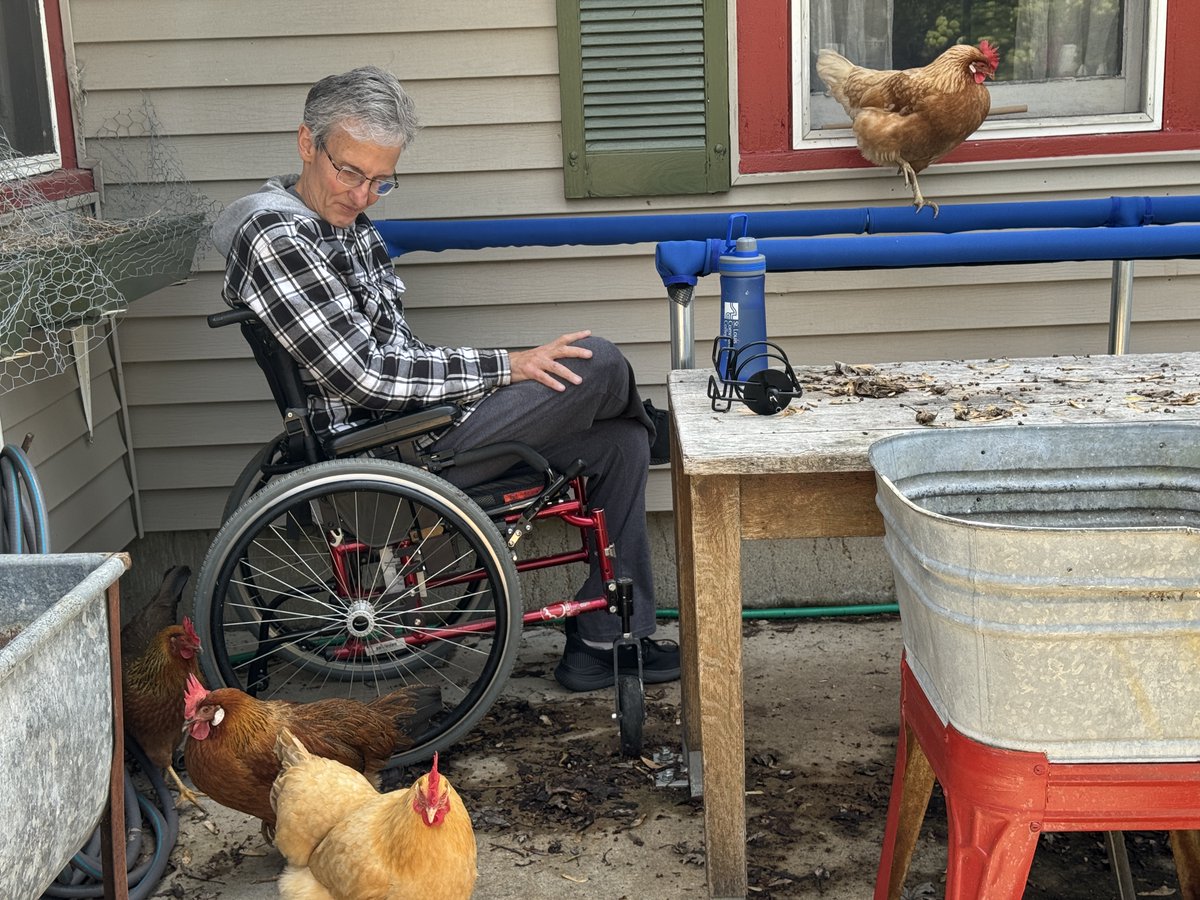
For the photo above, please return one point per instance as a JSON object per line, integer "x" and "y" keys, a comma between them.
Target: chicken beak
{"x": 430, "y": 814}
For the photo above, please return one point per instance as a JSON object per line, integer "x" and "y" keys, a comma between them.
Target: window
{"x": 27, "y": 115}
{"x": 767, "y": 81}
{"x": 1075, "y": 66}
{"x": 645, "y": 97}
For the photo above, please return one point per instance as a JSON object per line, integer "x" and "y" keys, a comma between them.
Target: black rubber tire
{"x": 416, "y": 556}
{"x": 631, "y": 719}
{"x": 251, "y": 479}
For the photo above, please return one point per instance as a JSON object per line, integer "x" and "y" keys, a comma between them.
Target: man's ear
{"x": 305, "y": 144}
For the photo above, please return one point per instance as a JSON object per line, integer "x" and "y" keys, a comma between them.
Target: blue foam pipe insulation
{"x": 406, "y": 235}
{"x": 683, "y": 262}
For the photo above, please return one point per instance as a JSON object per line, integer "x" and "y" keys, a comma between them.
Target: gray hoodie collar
{"x": 273, "y": 195}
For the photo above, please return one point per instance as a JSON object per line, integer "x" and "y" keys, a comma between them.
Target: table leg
{"x": 686, "y": 582}
{"x": 714, "y": 536}
{"x": 1185, "y": 845}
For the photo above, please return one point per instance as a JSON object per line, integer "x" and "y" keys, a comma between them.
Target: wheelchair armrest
{"x": 516, "y": 449}
{"x": 391, "y": 431}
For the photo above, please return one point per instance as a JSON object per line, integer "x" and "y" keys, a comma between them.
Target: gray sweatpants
{"x": 601, "y": 421}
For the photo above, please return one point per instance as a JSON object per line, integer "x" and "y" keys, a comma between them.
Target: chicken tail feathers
{"x": 411, "y": 708}
{"x": 834, "y": 69}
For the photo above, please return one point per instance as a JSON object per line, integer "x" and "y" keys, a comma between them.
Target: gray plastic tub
{"x": 1048, "y": 579}
{"x": 56, "y": 736}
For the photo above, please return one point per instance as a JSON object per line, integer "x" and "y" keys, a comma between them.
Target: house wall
{"x": 85, "y": 479}
{"x": 227, "y": 85}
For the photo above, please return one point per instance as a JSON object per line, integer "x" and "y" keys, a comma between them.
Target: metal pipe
{"x": 1122, "y": 306}
{"x": 683, "y": 335}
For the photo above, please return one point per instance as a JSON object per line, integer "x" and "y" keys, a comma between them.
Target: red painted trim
{"x": 62, "y": 90}
{"x": 57, "y": 185}
{"x": 765, "y": 105}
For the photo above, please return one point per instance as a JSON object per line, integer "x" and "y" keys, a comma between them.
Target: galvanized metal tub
{"x": 1048, "y": 579}
{"x": 56, "y": 715}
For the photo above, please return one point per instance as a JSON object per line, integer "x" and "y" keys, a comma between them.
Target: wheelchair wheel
{"x": 353, "y": 578}
{"x": 252, "y": 479}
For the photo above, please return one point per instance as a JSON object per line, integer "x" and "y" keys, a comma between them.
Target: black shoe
{"x": 660, "y": 448}
{"x": 584, "y": 668}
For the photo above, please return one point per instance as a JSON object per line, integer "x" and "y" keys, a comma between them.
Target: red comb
{"x": 434, "y": 788}
{"x": 192, "y": 695}
{"x": 990, "y": 53}
{"x": 190, "y": 630}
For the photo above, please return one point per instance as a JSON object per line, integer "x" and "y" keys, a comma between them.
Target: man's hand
{"x": 541, "y": 363}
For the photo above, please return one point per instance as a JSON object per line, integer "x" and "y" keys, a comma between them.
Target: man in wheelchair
{"x": 304, "y": 257}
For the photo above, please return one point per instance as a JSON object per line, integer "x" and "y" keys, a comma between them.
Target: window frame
{"x": 68, "y": 180}
{"x": 1150, "y": 28}
{"x": 765, "y": 122}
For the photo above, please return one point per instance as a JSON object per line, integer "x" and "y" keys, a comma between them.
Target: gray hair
{"x": 368, "y": 103}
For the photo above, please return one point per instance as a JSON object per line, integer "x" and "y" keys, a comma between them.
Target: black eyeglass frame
{"x": 379, "y": 186}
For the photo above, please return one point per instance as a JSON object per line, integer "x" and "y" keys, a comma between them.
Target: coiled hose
{"x": 24, "y": 528}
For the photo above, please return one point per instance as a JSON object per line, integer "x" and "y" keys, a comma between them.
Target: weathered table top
{"x": 845, "y": 408}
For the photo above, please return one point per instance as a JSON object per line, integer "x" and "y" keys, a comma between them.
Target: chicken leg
{"x": 910, "y": 180}
{"x": 185, "y": 792}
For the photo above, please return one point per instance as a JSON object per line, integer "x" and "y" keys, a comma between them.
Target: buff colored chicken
{"x": 912, "y": 118}
{"x": 345, "y": 841}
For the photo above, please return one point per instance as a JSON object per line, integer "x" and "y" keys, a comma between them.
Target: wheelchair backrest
{"x": 283, "y": 378}
{"x": 280, "y": 369}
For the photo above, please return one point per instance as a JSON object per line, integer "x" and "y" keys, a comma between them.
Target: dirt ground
{"x": 558, "y": 812}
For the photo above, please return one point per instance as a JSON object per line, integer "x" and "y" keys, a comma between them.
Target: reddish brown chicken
{"x": 152, "y": 687}
{"x": 230, "y": 752}
{"x": 912, "y": 118}
{"x": 345, "y": 841}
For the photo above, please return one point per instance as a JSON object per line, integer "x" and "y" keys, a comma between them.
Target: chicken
{"x": 914, "y": 117}
{"x": 162, "y": 610}
{"x": 230, "y": 752}
{"x": 344, "y": 841}
{"x": 152, "y": 687}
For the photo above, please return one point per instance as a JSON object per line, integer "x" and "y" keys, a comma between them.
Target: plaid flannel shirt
{"x": 332, "y": 299}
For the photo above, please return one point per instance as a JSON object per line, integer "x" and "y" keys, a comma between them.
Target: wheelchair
{"x": 347, "y": 567}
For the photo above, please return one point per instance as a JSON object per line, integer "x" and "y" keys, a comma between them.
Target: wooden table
{"x": 804, "y": 473}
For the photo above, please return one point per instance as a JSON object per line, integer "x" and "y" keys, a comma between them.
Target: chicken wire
{"x": 65, "y": 276}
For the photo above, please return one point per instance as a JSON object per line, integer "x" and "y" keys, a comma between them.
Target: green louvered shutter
{"x": 645, "y": 97}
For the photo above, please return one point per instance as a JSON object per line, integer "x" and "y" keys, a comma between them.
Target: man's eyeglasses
{"x": 353, "y": 178}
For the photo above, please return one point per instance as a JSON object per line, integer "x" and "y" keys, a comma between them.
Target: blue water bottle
{"x": 743, "y": 272}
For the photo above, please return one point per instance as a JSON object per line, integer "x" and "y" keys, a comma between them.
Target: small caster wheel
{"x": 631, "y": 713}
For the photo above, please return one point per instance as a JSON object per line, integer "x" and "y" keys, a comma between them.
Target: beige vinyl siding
{"x": 84, "y": 480}
{"x": 227, "y": 82}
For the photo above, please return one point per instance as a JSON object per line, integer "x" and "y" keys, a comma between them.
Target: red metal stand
{"x": 999, "y": 801}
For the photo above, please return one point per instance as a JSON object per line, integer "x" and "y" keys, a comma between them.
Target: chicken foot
{"x": 185, "y": 792}
{"x": 910, "y": 181}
